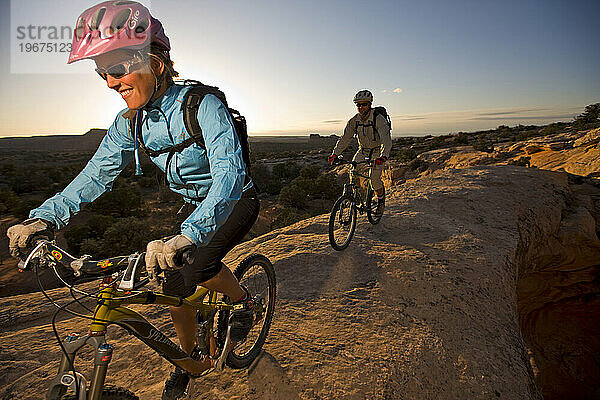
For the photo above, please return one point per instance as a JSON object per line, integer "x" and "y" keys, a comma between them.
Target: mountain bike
{"x": 121, "y": 279}
{"x": 342, "y": 220}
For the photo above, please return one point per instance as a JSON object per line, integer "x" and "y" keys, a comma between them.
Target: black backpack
{"x": 191, "y": 103}
{"x": 380, "y": 110}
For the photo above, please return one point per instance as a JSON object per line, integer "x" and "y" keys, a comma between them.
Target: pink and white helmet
{"x": 113, "y": 25}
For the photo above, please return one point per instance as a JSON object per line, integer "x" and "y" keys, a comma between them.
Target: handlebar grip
{"x": 186, "y": 256}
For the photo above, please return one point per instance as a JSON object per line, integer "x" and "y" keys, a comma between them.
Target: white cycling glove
{"x": 161, "y": 254}
{"x": 19, "y": 235}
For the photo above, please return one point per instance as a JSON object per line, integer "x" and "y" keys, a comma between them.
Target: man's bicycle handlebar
{"x": 354, "y": 164}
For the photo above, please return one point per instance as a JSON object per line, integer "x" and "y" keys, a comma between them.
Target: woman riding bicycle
{"x": 131, "y": 52}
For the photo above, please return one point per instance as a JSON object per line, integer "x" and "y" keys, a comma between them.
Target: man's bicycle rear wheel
{"x": 372, "y": 214}
{"x": 255, "y": 273}
{"x": 342, "y": 222}
{"x": 109, "y": 392}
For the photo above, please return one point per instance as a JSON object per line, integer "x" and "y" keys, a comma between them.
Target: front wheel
{"x": 108, "y": 393}
{"x": 372, "y": 215}
{"x": 342, "y": 222}
{"x": 255, "y": 273}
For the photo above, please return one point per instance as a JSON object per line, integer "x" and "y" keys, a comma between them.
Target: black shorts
{"x": 207, "y": 259}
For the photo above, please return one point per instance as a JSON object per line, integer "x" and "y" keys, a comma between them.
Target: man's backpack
{"x": 380, "y": 110}
{"x": 191, "y": 103}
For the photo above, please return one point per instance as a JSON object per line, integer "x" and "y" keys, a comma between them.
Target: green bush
{"x": 124, "y": 236}
{"x": 326, "y": 187}
{"x": 484, "y": 145}
{"x": 295, "y": 194}
{"x": 166, "y": 195}
{"x": 310, "y": 171}
{"x": 122, "y": 201}
{"x": 417, "y": 165}
{"x": 403, "y": 154}
{"x": 589, "y": 119}
{"x": 461, "y": 139}
{"x": 264, "y": 180}
{"x": 287, "y": 217}
{"x": 286, "y": 171}
{"x": 521, "y": 162}
{"x": 9, "y": 201}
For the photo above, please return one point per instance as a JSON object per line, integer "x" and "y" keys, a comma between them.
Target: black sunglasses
{"x": 118, "y": 71}
{"x": 362, "y": 104}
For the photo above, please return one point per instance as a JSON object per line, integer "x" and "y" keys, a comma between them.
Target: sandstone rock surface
{"x": 479, "y": 283}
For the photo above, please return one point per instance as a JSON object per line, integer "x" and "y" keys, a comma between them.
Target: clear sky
{"x": 292, "y": 67}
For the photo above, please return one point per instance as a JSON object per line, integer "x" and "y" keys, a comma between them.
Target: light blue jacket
{"x": 212, "y": 178}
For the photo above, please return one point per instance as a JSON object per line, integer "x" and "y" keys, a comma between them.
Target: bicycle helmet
{"x": 363, "y": 96}
{"x": 113, "y": 25}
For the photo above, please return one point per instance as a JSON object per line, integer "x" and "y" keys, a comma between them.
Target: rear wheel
{"x": 342, "y": 222}
{"x": 255, "y": 273}
{"x": 372, "y": 215}
{"x": 108, "y": 393}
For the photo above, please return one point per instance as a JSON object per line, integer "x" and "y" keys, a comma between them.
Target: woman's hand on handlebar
{"x": 22, "y": 237}
{"x": 168, "y": 254}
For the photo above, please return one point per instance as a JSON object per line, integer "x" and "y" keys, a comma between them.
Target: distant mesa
{"x": 315, "y": 137}
{"x": 95, "y": 132}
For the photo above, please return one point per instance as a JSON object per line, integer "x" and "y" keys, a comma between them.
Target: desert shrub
{"x": 287, "y": 217}
{"x": 123, "y": 201}
{"x": 166, "y": 195}
{"x": 461, "y": 139}
{"x": 264, "y": 180}
{"x": 93, "y": 229}
{"x": 312, "y": 171}
{"x": 325, "y": 187}
{"x": 403, "y": 154}
{"x": 310, "y": 185}
{"x": 9, "y": 201}
{"x": 521, "y": 162}
{"x": 589, "y": 119}
{"x": 484, "y": 145}
{"x": 125, "y": 235}
{"x": 147, "y": 181}
{"x": 295, "y": 194}
{"x": 437, "y": 142}
{"x": 286, "y": 171}
{"x": 556, "y": 127}
{"x": 417, "y": 165}
{"x": 26, "y": 204}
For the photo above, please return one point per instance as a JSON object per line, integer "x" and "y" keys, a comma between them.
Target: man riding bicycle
{"x": 131, "y": 52}
{"x": 374, "y": 142}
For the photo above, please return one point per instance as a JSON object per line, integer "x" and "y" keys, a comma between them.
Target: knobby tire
{"x": 372, "y": 207}
{"x": 342, "y": 217}
{"x": 109, "y": 393}
{"x": 257, "y": 274}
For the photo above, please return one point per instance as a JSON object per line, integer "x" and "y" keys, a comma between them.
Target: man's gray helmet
{"x": 363, "y": 96}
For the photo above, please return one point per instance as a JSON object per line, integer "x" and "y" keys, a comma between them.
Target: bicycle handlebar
{"x": 341, "y": 161}
{"x": 47, "y": 254}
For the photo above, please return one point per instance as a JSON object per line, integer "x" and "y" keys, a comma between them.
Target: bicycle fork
{"x": 68, "y": 378}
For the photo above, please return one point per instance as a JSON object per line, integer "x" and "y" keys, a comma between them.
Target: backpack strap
{"x": 191, "y": 104}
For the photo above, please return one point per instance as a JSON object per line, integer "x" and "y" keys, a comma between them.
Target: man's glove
{"x": 380, "y": 160}
{"x": 332, "y": 159}
{"x": 163, "y": 253}
{"x": 20, "y": 235}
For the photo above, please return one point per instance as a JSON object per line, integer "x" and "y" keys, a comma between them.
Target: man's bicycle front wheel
{"x": 342, "y": 222}
{"x": 255, "y": 273}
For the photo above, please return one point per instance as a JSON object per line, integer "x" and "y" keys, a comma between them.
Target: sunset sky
{"x": 292, "y": 67}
